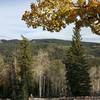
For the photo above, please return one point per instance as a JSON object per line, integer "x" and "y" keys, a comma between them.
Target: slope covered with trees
{"x": 48, "y": 56}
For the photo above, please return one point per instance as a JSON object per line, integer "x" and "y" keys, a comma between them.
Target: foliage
{"x": 54, "y": 15}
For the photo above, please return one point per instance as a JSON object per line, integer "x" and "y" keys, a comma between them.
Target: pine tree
{"x": 13, "y": 79}
{"x": 77, "y": 68}
{"x": 25, "y": 62}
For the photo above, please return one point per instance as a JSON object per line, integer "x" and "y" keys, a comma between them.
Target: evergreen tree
{"x": 25, "y": 63}
{"x": 77, "y": 68}
{"x": 13, "y": 79}
{"x": 5, "y": 79}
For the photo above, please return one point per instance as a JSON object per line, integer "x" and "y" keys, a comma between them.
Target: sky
{"x": 12, "y": 27}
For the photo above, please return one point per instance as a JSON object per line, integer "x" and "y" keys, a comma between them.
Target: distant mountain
{"x": 47, "y": 41}
{"x": 8, "y": 46}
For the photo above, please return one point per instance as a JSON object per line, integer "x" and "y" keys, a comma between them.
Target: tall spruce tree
{"x": 77, "y": 68}
{"x": 25, "y": 63}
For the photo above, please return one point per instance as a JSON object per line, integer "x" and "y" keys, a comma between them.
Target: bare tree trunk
{"x": 44, "y": 86}
{"x": 93, "y": 86}
{"x": 98, "y": 86}
{"x": 48, "y": 89}
{"x": 40, "y": 86}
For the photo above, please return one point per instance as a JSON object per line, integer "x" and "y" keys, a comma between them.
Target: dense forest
{"x": 47, "y": 65}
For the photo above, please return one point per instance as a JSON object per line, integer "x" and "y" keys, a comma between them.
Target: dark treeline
{"x": 49, "y": 69}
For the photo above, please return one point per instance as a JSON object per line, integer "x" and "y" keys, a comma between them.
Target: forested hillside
{"x": 48, "y": 66}
{"x": 9, "y": 46}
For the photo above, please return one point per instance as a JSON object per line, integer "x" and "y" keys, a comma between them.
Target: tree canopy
{"x": 54, "y": 15}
